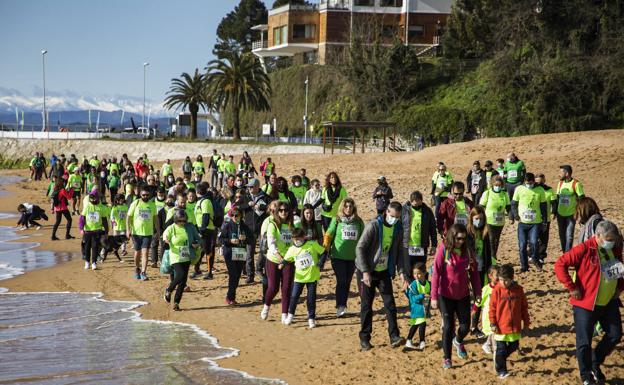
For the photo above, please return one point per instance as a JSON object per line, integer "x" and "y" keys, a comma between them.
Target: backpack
{"x": 219, "y": 214}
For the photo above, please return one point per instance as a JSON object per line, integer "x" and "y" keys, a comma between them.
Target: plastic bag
{"x": 165, "y": 266}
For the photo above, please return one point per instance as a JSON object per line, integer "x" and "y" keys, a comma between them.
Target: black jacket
{"x": 254, "y": 216}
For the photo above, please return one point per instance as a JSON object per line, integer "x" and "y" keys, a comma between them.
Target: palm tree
{"x": 189, "y": 91}
{"x": 237, "y": 82}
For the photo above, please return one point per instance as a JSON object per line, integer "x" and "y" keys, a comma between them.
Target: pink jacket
{"x": 453, "y": 275}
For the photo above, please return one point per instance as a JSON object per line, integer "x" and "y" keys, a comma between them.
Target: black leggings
{"x": 421, "y": 331}
{"x": 495, "y": 235}
{"x": 59, "y": 215}
{"x": 178, "y": 279}
{"x": 92, "y": 245}
{"x": 450, "y": 308}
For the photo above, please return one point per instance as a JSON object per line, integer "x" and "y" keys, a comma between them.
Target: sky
{"x": 98, "y": 47}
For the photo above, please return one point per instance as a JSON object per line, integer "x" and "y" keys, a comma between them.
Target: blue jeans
{"x": 566, "y": 231}
{"x": 528, "y": 235}
{"x": 310, "y": 300}
{"x": 438, "y": 203}
{"x": 584, "y": 322}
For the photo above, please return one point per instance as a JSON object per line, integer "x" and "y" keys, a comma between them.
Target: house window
{"x": 416, "y": 31}
{"x": 279, "y": 35}
{"x": 391, "y": 3}
{"x": 365, "y": 3}
{"x": 304, "y": 31}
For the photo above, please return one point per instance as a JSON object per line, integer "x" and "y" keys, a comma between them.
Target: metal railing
{"x": 259, "y": 44}
{"x": 335, "y": 4}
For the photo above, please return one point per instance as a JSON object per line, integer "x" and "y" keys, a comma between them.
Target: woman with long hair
{"x": 478, "y": 241}
{"x": 588, "y": 216}
{"x": 281, "y": 193}
{"x": 311, "y": 227}
{"x": 333, "y": 193}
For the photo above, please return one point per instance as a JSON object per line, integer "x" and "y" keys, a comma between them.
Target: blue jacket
{"x": 416, "y": 299}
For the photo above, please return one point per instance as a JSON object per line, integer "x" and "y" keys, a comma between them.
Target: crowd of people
{"x": 176, "y": 219}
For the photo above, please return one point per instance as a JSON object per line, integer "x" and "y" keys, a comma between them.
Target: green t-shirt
{"x": 118, "y": 215}
{"x": 179, "y": 247}
{"x": 229, "y": 168}
{"x": 511, "y": 337}
{"x": 495, "y": 204}
{"x": 486, "y": 327}
{"x": 341, "y": 196}
{"x": 265, "y": 225}
{"x": 129, "y": 189}
{"x": 93, "y": 216}
{"x": 113, "y": 167}
{"x": 267, "y": 188}
{"x": 71, "y": 168}
{"x": 50, "y": 189}
{"x": 221, "y": 165}
{"x": 91, "y": 182}
{"x": 142, "y": 215}
{"x": 283, "y": 238}
{"x": 607, "y": 288}
{"x": 529, "y": 201}
{"x": 514, "y": 171}
{"x": 415, "y": 231}
{"x": 198, "y": 167}
{"x": 568, "y": 197}
{"x": 94, "y": 163}
{"x": 299, "y": 193}
{"x": 190, "y": 212}
{"x": 386, "y": 244}
{"x": 306, "y": 260}
{"x": 550, "y": 198}
{"x": 74, "y": 182}
{"x": 442, "y": 184}
{"x": 113, "y": 182}
{"x": 345, "y": 238}
{"x": 166, "y": 169}
{"x": 268, "y": 170}
{"x": 204, "y": 206}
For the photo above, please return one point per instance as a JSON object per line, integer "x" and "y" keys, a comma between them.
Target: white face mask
{"x": 239, "y": 184}
{"x": 298, "y": 242}
{"x": 478, "y": 223}
{"x": 497, "y": 188}
{"x": 391, "y": 220}
{"x": 297, "y": 184}
{"x": 103, "y": 174}
{"x": 608, "y": 245}
{"x": 529, "y": 186}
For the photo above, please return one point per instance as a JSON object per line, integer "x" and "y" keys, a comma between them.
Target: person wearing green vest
{"x": 569, "y": 191}
{"x": 514, "y": 172}
{"x": 298, "y": 190}
{"x": 214, "y": 168}
{"x": 94, "y": 161}
{"x": 93, "y": 226}
{"x": 198, "y": 168}
{"x": 118, "y": 217}
{"x": 419, "y": 230}
{"x": 496, "y": 203}
{"x": 332, "y": 195}
{"x": 441, "y": 183}
{"x": 229, "y": 166}
{"x": 221, "y": 168}
{"x": 268, "y": 187}
{"x": 114, "y": 183}
{"x": 305, "y": 181}
{"x": 75, "y": 182}
{"x": 378, "y": 257}
{"x": 166, "y": 169}
{"x": 183, "y": 239}
{"x": 204, "y": 219}
{"x": 340, "y": 241}
{"x": 500, "y": 166}
{"x": 267, "y": 168}
{"x": 551, "y": 210}
{"x": 305, "y": 255}
{"x": 528, "y": 206}
{"x": 142, "y": 221}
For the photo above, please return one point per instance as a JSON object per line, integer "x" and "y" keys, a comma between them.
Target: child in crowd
{"x": 509, "y": 315}
{"x": 418, "y": 294}
{"x": 305, "y": 255}
{"x": 489, "y": 346}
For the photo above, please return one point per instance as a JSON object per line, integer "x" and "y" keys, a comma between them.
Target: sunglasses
{"x": 144, "y": 195}
{"x": 180, "y": 222}
{"x": 282, "y": 211}
{"x": 460, "y": 239}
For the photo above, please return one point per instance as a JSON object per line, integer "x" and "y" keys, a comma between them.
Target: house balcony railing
{"x": 259, "y": 44}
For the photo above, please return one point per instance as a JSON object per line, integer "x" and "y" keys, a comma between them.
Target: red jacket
{"x": 62, "y": 198}
{"x": 585, "y": 260}
{"x": 447, "y": 214}
{"x": 509, "y": 308}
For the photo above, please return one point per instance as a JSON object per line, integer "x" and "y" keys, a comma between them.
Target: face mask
{"x": 391, "y": 220}
{"x": 160, "y": 199}
{"x": 298, "y": 242}
{"x": 608, "y": 245}
{"x": 144, "y": 199}
{"x": 170, "y": 203}
{"x": 478, "y": 223}
{"x": 417, "y": 207}
{"x": 94, "y": 201}
{"x": 297, "y": 184}
{"x": 103, "y": 174}
{"x": 239, "y": 184}
{"x": 529, "y": 186}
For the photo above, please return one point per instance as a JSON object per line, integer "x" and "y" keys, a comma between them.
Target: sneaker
{"x": 195, "y": 275}
{"x": 365, "y": 346}
{"x": 21, "y": 228}
{"x": 409, "y": 345}
{"x": 87, "y": 265}
{"x": 503, "y": 375}
{"x": 38, "y": 228}
{"x": 341, "y": 311}
{"x": 143, "y": 277}
{"x": 486, "y": 348}
{"x": 70, "y": 237}
{"x": 421, "y": 345}
{"x": 167, "y": 296}
{"x": 264, "y": 314}
{"x": 311, "y": 323}
{"x": 446, "y": 364}
{"x": 477, "y": 333}
{"x": 461, "y": 350}
{"x": 231, "y": 302}
{"x": 288, "y": 320}
{"x": 176, "y": 307}
{"x": 54, "y": 238}
{"x": 187, "y": 289}
{"x": 284, "y": 316}
{"x": 94, "y": 266}
{"x": 208, "y": 276}
{"x": 599, "y": 375}
{"x": 397, "y": 341}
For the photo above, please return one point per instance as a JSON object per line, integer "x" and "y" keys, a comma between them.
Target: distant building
{"x": 318, "y": 33}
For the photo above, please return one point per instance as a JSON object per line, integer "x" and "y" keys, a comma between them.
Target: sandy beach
{"x": 330, "y": 353}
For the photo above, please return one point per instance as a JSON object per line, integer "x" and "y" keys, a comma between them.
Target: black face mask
{"x": 145, "y": 199}
{"x": 417, "y": 207}
{"x": 94, "y": 201}
{"x": 170, "y": 204}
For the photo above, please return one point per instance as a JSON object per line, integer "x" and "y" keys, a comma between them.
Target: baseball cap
{"x": 253, "y": 182}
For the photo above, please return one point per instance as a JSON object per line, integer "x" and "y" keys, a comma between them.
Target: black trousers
{"x": 421, "y": 328}
{"x": 92, "y": 245}
{"x": 157, "y": 248}
{"x": 68, "y": 218}
{"x": 344, "y": 274}
{"x": 450, "y": 309}
{"x": 503, "y": 351}
{"x": 543, "y": 241}
{"x": 178, "y": 280}
{"x": 379, "y": 281}
{"x": 249, "y": 263}
{"x": 235, "y": 269}
{"x": 495, "y": 235}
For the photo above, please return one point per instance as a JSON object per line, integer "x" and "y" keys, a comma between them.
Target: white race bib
{"x": 499, "y": 218}
{"x": 122, "y": 215}
{"x": 145, "y": 214}
{"x": 442, "y": 183}
{"x": 303, "y": 261}
{"x": 382, "y": 262}
{"x": 612, "y": 270}
{"x": 512, "y": 174}
{"x": 416, "y": 251}
{"x": 349, "y": 233}
{"x": 185, "y": 253}
{"x": 239, "y": 254}
{"x": 93, "y": 216}
{"x": 461, "y": 219}
{"x": 529, "y": 215}
{"x": 564, "y": 200}
{"x": 286, "y": 236}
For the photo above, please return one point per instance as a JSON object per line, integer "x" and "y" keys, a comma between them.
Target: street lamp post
{"x": 305, "y": 114}
{"x": 45, "y": 116}
{"x": 144, "y": 78}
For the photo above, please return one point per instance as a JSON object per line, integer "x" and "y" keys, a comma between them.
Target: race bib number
{"x": 442, "y": 184}
{"x": 349, "y": 233}
{"x": 185, "y": 253}
{"x": 499, "y": 218}
{"x": 564, "y": 200}
{"x": 76, "y": 185}
{"x": 488, "y": 178}
{"x": 93, "y": 217}
{"x": 382, "y": 262}
{"x": 512, "y": 174}
{"x": 286, "y": 236}
{"x": 461, "y": 219}
{"x": 122, "y": 216}
{"x": 612, "y": 270}
{"x": 529, "y": 215}
{"x": 416, "y": 251}
{"x": 303, "y": 261}
{"x": 144, "y": 214}
{"x": 239, "y": 254}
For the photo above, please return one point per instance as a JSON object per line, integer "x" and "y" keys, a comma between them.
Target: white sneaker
{"x": 486, "y": 348}
{"x": 93, "y": 266}
{"x": 288, "y": 320}
{"x": 409, "y": 345}
{"x": 87, "y": 265}
{"x": 265, "y": 312}
{"x": 311, "y": 323}
{"x": 38, "y": 228}
{"x": 341, "y": 311}
{"x": 284, "y": 316}
{"x": 421, "y": 345}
